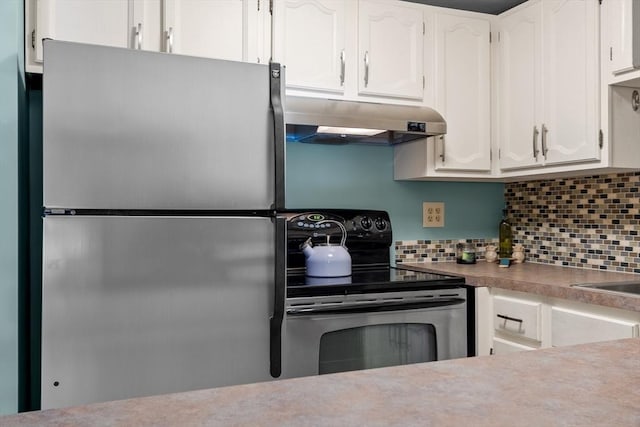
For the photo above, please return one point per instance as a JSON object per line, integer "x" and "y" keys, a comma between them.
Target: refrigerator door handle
{"x": 276, "y": 78}
{"x": 278, "y": 300}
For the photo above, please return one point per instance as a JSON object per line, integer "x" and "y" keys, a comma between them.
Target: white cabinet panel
{"x": 517, "y": 317}
{"x": 575, "y": 327}
{"x": 463, "y": 94}
{"x": 390, "y": 49}
{"x": 103, "y": 22}
{"x": 310, "y": 41}
{"x": 147, "y": 23}
{"x": 549, "y": 104}
{"x": 571, "y": 62}
{"x": 520, "y": 88}
{"x": 500, "y": 346}
{"x": 622, "y": 35}
{"x": 213, "y": 29}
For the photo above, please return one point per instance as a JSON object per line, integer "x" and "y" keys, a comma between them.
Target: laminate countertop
{"x": 586, "y": 385}
{"x": 540, "y": 279}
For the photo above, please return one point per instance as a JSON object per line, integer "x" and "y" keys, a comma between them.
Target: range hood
{"x": 330, "y": 121}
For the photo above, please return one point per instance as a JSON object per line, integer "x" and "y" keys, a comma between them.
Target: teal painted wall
{"x": 11, "y": 85}
{"x": 361, "y": 176}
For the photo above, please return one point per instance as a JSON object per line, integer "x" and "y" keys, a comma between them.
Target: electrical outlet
{"x": 433, "y": 214}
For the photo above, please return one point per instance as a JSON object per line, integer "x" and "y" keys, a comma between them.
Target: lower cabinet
{"x": 510, "y": 321}
{"x": 579, "y": 327}
{"x": 520, "y": 322}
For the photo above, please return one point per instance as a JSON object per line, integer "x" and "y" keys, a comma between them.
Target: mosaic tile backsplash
{"x": 437, "y": 250}
{"x": 587, "y": 222}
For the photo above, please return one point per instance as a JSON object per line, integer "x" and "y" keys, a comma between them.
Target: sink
{"x": 619, "y": 287}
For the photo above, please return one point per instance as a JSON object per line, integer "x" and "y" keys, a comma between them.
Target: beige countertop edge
{"x": 540, "y": 279}
{"x": 587, "y": 385}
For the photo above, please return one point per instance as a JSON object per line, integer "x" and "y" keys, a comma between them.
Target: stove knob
{"x": 366, "y": 223}
{"x": 381, "y": 224}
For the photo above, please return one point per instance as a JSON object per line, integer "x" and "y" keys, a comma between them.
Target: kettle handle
{"x": 343, "y": 240}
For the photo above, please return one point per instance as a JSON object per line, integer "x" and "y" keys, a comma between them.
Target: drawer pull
{"x": 513, "y": 319}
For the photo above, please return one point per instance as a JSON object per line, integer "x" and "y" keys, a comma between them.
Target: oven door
{"x": 326, "y": 335}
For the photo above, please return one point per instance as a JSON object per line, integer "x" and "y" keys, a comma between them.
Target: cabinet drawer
{"x": 501, "y": 346}
{"x": 571, "y": 327}
{"x": 517, "y": 317}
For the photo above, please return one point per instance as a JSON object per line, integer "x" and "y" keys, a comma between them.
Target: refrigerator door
{"x": 135, "y": 306}
{"x": 129, "y": 129}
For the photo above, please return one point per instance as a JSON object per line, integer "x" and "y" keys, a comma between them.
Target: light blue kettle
{"x": 328, "y": 259}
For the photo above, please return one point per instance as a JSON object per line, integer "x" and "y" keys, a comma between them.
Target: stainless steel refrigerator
{"x": 163, "y": 251}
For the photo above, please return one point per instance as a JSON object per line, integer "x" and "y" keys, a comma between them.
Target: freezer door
{"x": 135, "y": 306}
{"x": 130, "y": 129}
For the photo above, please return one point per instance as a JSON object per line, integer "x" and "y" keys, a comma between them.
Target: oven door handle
{"x": 374, "y": 307}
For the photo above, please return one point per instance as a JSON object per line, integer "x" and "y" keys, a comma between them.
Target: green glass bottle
{"x": 505, "y": 237}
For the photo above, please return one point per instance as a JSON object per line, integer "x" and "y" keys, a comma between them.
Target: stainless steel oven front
{"x": 337, "y": 333}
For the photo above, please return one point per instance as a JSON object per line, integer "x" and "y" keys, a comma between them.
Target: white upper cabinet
{"x": 359, "y": 50}
{"x": 458, "y": 82}
{"x": 226, "y": 29}
{"x": 104, "y": 22}
{"x": 571, "y": 78}
{"x": 463, "y": 92}
{"x": 621, "y": 24}
{"x": 390, "y": 49}
{"x": 310, "y": 40}
{"x": 549, "y": 106}
{"x": 223, "y": 29}
{"x": 520, "y": 88}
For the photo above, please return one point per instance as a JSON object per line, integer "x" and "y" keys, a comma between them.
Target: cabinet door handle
{"x": 535, "y": 142}
{"x": 366, "y": 68}
{"x": 544, "y": 141}
{"x": 342, "y": 68}
{"x": 170, "y": 40}
{"x": 442, "y": 144}
{"x": 139, "y": 36}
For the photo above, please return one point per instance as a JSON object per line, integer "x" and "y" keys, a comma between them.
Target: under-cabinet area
{"x": 510, "y": 321}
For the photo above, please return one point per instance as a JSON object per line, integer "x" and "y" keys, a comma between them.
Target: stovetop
{"x": 368, "y": 240}
{"x": 368, "y": 281}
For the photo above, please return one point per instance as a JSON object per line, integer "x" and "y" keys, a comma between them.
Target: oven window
{"x": 376, "y": 346}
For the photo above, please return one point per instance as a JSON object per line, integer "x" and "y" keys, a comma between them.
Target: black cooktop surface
{"x": 368, "y": 281}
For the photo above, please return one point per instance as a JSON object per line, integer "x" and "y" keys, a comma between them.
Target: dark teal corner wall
{"x": 361, "y": 176}
{"x": 12, "y": 94}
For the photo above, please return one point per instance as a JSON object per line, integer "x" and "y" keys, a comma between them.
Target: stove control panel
{"x": 360, "y": 225}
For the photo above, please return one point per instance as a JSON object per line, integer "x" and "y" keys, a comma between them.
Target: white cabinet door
{"x": 223, "y": 29}
{"x": 571, "y": 80}
{"x": 103, "y": 22}
{"x": 147, "y": 20}
{"x": 622, "y": 35}
{"x": 571, "y": 327}
{"x": 520, "y": 88}
{"x": 390, "y": 49}
{"x": 462, "y": 92}
{"x": 310, "y": 40}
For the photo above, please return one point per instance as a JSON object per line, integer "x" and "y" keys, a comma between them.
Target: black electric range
{"x": 369, "y": 238}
